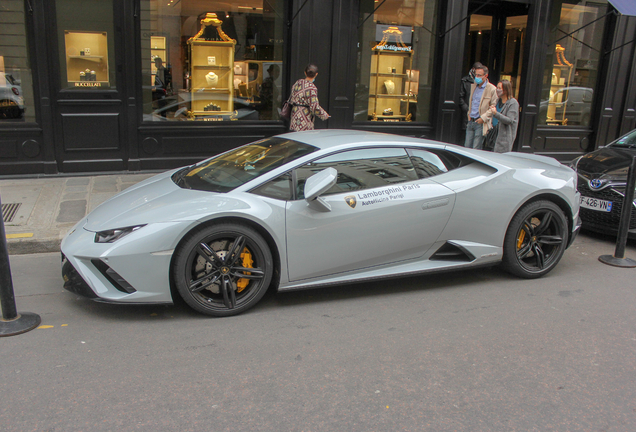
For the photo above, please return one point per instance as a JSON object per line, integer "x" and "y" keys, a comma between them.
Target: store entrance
{"x": 496, "y": 37}
{"x": 86, "y": 92}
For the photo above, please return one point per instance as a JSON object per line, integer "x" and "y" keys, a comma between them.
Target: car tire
{"x": 535, "y": 240}
{"x": 223, "y": 270}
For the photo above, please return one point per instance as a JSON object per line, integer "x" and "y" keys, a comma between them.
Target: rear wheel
{"x": 223, "y": 270}
{"x": 536, "y": 239}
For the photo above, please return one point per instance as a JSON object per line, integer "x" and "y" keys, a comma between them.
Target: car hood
{"x": 158, "y": 200}
{"x": 605, "y": 160}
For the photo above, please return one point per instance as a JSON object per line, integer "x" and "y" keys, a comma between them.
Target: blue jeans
{"x": 474, "y": 135}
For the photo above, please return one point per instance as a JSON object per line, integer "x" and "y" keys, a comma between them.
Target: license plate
{"x": 596, "y": 204}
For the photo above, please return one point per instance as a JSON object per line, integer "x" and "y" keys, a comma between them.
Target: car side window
{"x": 278, "y": 188}
{"x": 360, "y": 169}
{"x": 434, "y": 162}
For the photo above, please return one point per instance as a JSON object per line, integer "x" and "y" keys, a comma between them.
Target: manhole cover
{"x": 9, "y": 211}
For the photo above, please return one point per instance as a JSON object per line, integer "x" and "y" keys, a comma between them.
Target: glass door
{"x": 496, "y": 38}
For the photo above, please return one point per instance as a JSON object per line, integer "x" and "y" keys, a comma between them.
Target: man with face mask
{"x": 482, "y": 95}
{"x": 464, "y": 96}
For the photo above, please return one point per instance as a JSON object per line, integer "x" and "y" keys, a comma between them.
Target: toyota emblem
{"x": 596, "y": 183}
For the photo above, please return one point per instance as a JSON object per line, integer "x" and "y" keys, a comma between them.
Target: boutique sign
{"x": 89, "y": 84}
{"x": 393, "y": 48}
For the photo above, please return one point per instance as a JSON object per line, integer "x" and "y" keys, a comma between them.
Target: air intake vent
{"x": 452, "y": 252}
{"x": 118, "y": 282}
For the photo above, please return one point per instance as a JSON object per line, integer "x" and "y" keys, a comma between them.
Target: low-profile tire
{"x": 536, "y": 239}
{"x": 223, "y": 270}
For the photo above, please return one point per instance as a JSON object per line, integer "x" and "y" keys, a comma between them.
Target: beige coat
{"x": 489, "y": 97}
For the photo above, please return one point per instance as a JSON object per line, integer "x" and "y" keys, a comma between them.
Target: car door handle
{"x": 435, "y": 203}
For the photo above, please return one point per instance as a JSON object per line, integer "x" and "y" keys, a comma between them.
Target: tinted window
{"x": 235, "y": 168}
{"x": 626, "y": 140}
{"x": 279, "y": 188}
{"x": 431, "y": 163}
{"x": 361, "y": 169}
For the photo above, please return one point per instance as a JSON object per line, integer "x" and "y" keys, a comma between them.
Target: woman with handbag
{"x": 506, "y": 112}
{"x": 304, "y": 102}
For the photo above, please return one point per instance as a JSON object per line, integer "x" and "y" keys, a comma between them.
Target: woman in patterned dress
{"x": 304, "y": 101}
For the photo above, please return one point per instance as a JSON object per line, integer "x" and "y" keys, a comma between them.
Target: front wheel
{"x": 223, "y": 270}
{"x": 536, "y": 239}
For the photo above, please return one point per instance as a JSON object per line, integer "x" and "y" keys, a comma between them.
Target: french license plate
{"x": 596, "y": 204}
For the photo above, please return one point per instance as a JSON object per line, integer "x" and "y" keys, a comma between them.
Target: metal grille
{"x": 611, "y": 220}
{"x": 9, "y": 211}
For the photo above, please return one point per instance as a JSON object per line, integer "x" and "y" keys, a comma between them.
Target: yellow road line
{"x": 21, "y": 235}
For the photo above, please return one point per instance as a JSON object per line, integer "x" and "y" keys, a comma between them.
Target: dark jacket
{"x": 464, "y": 98}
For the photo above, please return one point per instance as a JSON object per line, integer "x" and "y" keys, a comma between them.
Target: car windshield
{"x": 628, "y": 140}
{"x": 230, "y": 170}
{"x": 9, "y": 79}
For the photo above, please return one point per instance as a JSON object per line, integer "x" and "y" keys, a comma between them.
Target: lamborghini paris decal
{"x": 379, "y": 196}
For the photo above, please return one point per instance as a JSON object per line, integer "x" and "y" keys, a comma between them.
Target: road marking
{"x": 45, "y": 327}
{"x": 21, "y": 235}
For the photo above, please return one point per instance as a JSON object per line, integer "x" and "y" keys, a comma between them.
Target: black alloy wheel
{"x": 223, "y": 270}
{"x": 536, "y": 239}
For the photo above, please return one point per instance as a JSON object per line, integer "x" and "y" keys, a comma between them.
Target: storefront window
{"x": 86, "y": 38}
{"x": 396, "y": 50}
{"x": 572, "y": 63}
{"x": 211, "y": 61}
{"x": 16, "y": 81}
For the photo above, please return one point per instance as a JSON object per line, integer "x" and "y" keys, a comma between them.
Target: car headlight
{"x": 110, "y": 236}
{"x": 575, "y": 163}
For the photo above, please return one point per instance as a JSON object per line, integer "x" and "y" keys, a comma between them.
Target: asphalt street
{"x": 466, "y": 351}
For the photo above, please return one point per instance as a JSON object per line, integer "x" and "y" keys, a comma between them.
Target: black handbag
{"x": 491, "y": 138}
{"x": 285, "y": 112}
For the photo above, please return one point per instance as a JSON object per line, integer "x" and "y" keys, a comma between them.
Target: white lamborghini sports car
{"x": 316, "y": 208}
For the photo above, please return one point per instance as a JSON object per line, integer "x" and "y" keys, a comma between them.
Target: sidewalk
{"x": 38, "y": 212}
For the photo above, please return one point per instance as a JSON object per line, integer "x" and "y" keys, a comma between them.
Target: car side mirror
{"x": 318, "y": 184}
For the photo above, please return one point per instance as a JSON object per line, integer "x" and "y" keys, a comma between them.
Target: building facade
{"x": 128, "y": 85}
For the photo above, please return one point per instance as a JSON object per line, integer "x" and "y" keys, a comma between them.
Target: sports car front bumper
{"x": 133, "y": 270}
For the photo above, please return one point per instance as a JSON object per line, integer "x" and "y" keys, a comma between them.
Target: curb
{"x": 30, "y": 246}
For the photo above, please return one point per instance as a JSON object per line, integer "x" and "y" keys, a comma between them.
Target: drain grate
{"x": 9, "y": 211}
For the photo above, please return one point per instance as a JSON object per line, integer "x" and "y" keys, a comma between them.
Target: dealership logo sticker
{"x": 351, "y": 200}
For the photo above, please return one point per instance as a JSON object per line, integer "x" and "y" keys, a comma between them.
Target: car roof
{"x": 327, "y": 138}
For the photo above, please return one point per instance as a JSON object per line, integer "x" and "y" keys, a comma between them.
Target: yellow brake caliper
{"x": 520, "y": 239}
{"x": 248, "y": 262}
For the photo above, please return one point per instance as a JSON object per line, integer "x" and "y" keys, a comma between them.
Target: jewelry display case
{"x": 86, "y": 59}
{"x": 561, "y": 76}
{"x": 391, "y": 96}
{"x": 211, "y": 71}
{"x": 212, "y": 74}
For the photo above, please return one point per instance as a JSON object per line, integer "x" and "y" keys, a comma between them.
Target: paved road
{"x": 468, "y": 351}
